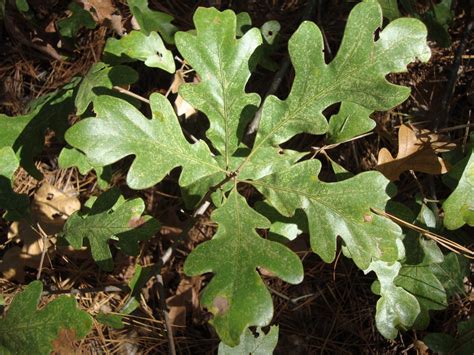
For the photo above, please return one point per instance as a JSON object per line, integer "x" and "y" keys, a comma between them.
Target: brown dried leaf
{"x": 104, "y": 12}
{"x": 186, "y": 299}
{"x": 64, "y": 343}
{"x": 415, "y": 152}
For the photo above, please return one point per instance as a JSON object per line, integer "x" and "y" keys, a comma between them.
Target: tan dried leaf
{"x": 50, "y": 208}
{"x": 182, "y": 107}
{"x": 416, "y": 151}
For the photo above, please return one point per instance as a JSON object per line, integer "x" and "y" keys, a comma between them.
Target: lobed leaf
{"x": 236, "y": 295}
{"x": 99, "y": 77}
{"x": 357, "y": 74}
{"x": 110, "y": 218}
{"x": 69, "y": 27}
{"x": 150, "y": 20}
{"x": 222, "y": 62}
{"x": 158, "y": 144}
{"x": 138, "y": 46}
{"x": 397, "y": 308}
{"x": 336, "y": 209}
{"x": 26, "y": 330}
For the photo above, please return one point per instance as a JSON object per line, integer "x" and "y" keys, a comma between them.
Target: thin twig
{"x": 164, "y": 309}
{"x": 131, "y": 94}
{"x": 82, "y": 291}
{"x": 445, "y": 242}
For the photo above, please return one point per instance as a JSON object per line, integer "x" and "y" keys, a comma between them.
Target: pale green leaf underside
{"x": 357, "y": 73}
{"x": 390, "y": 9}
{"x": 222, "y": 62}
{"x": 158, "y": 144}
{"x": 397, "y": 309}
{"x": 263, "y": 344}
{"x": 459, "y": 206}
{"x": 26, "y": 330}
{"x": 236, "y": 295}
{"x": 150, "y": 20}
{"x": 107, "y": 220}
{"x": 146, "y": 48}
{"x": 337, "y": 209}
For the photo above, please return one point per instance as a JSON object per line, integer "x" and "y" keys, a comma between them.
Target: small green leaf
{"x": 27, "y": 330}
{"x": 463, "y": 344}
{"x": 222, "y": 62}
{"x": 336, "y": 209}
{"x": 22, "y": 5}
{"x": 351, "y": 120}
{"x": 100, "y": 77}
{"x": 150, "y": 20}
{"x": 110, "y": 218}
{"x": 138, "y": 46}
{"x": 69, "y": 27}
{"x": 262, "y": 344}
{"x": 16, "y": 205}
{"x": 459, "y": 206}
{"x": 397, "y": 309}
{"x": 110, "y": 320}
{"x": 236, "y": 295}
{"x": 158, "y": 144}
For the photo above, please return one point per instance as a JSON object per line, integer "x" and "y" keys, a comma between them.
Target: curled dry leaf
{"x": 416, "y": 151}
{"x": 182, "y": 107}
{"x": 50, "y": 209}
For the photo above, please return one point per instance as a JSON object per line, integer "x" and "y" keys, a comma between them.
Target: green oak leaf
{"x": 397, "y": 309}
{"x": 262, "y": 344}
{"x": 99, "y": 78}
{"x": 357, "y": 74}
{"x": 27, "y": 330}
{"x": 120, "y": 130}
{"x": 351, "y": 120}
{"x": 70, "y": 157}
{"x": 237, "y": 296}
{"x": 79, "y": 18}
{"x": 22, "y": 5}
{"x": 337, "y": 209}
{"x": 138, "y": 46}
{"x": 16, "y": 205}
{"x": 459, "y": 206}
{"x": 420, "y": 281}
{"x": 222, "y": 62}
{"x": 451, "y": 273}
{"x": 110, "y": 218}
{"x": 150, "y": 20}
{"x": 25, "y": 133}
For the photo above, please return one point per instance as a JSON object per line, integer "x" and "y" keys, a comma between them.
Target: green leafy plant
{"x": 223, "y": 167}
{"x": 26, "y": 329}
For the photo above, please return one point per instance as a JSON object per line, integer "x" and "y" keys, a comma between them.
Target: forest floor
{"x": 333, "y": 309}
